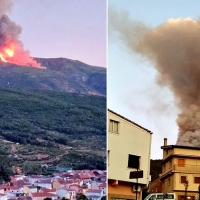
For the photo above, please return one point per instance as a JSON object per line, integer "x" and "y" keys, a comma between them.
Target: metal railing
{"x": 186, "y": 168}
{"x": 182, "y": 168}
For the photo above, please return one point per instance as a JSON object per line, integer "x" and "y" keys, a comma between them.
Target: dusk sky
{"x": 63, "y": 28}
{"x": 132, "y": 88}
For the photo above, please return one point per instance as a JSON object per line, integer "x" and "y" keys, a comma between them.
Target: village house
{"x": 103, "y": 187}
{"x": 128, "y": 152}
{"x": 62, "y": 183}
{"x": 99, "y": 185}
{"x": 40, "y": 187}
{"x": 3, "y": 197}
{"x": 34, "y": 178}
{"x": 53, "y": 190}
{"x": 75, "y": 187}
{"x": 30, "y": 189}
{"x": 17, "y": 178}
{"x": 85, "y": 177}
{"x": 94, "y": 194}
{"x": 45, "y": 183}
{"x": 180, "y": 171}
{"x": 66, "y": 192}
{"x": 11, "y": 191}
{"x": 43, "y": 195}
{"x": 155, "y": 186}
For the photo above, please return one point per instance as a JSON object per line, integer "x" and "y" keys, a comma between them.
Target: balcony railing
{"x": 186, "y": 168}
{"x": 181, "y": 168}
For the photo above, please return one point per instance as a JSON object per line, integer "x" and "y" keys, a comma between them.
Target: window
{"x": 133, "y": 161}
{"x": 196, "y": 179}
{"x": 163, "y": 185}
{"x": 169, "y": 196}
{"x": 169, "y": 182}
{"x": 170, "y": 164}
{"x": 165, "y": 196}
{"x": 181, "y": 162}
{"x": 183, "y": 179}
{"x": 153, "y": 197}
{"x": 114, "y": 126}
{"x": 163, "y": 168}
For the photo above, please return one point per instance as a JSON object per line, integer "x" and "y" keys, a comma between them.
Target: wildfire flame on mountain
{"x": 11, "y": 48}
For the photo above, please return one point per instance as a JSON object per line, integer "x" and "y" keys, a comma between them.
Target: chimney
{"x": 165, "y": 141}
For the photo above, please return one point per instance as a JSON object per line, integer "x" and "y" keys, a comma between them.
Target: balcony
{"x": 181, "y": 168}
{"x": 186, "y": 168}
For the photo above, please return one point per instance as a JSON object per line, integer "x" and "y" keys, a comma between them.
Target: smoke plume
{"x": 174, "y": 49}
{"x": 11, "y": 48}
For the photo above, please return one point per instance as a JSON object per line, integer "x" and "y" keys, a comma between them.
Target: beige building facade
{"x": 180, "y": 171}
{"x": 129, "y": 146}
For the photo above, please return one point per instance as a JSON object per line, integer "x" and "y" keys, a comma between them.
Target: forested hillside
{"x": 69, "y": 124}
{"x": 61, "y": 74}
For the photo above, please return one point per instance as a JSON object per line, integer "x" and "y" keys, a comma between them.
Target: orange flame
{"x": 13, "y": 54}
{"x": 2, "y": 58}
{"x": 6, "y": 53}
{"x": 9, "y": 52}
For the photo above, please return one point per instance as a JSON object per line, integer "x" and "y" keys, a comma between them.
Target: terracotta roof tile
{"x": 43, "y": 194}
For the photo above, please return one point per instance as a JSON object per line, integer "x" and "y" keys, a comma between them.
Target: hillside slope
{"x": 61, "y": 74}
{"x": 45, "y": 126}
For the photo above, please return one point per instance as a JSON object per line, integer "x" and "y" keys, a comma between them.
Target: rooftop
{"x": 179, "y": 147}
{"x": 130, "y": 121}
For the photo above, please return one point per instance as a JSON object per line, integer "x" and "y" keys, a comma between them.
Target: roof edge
{"x": 130, "y": 121}
{"x": 179, "y": 147}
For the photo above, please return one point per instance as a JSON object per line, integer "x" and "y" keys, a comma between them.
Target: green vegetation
{"x": 155, "y": 168}
{"x": 81, "y": 197}
{"x": 61, "y": 75}
{"x": 103, "y": 198}
{"x": 47, "y": 198}
{"x": 32, "y": 168}
{"x": 68, "y": 127}
{"x": 35, "y": 113}
{"x": 6, "y": 168}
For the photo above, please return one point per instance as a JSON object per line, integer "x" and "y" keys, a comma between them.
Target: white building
{"x": 66, "y": 192}
{"x": 44, "y": 183}
{"x": 129, "y": 147}
{"x": 30, "y": 189}
{"x": 94, "y": 194}
{"x": 3, "y": 197}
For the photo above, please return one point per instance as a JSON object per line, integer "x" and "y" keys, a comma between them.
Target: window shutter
{"x": 181, "y": 162}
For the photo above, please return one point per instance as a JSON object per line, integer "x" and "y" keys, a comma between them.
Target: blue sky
{"x": 64, "y": 28}
{"x": 132, "y": 89}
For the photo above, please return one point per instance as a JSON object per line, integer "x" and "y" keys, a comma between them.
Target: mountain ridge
{"x": 61, "y": 74}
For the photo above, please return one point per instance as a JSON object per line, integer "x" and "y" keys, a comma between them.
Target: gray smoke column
{"x": 11, "y": 48}
{"x": 174, "y": 48}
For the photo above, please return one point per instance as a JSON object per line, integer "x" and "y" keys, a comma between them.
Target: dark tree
{"x": 103, "y": 198}
{"x": 5, "y": 174}
{"x": 81, "y": 197}
{"x": 64, "y": 198}
{"x": 47, "y": 198}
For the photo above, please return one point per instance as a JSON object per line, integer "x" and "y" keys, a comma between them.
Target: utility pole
{"x": 136, "y": 186}
{"x": 186, "y": 187}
